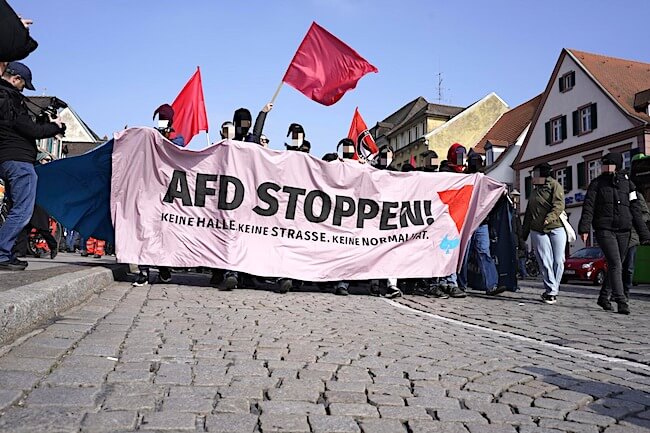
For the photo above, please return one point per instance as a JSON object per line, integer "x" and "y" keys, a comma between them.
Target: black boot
{"x": 623, "y": 308}
{"x": 604, "y": 304}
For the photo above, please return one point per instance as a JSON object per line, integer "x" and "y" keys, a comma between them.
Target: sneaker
{"x": 604, "y": 304}
{"x": 22, "y": 263}
{"x": 230, "y": 282}
{"x": 623, "y": 308}
{"x": 53, "y": 253}
{"x": 374, "y": 289}
{"x": 341, "y": 291}
{"x": 9, "y": 265}
{"x": 548, "y": 299}
{"x": 434, "y": 291}
{"x": 84, "y": 254}
{"x": 456, "y": 292}
{"x": 141, "y": 280}
{"x": 393, "y": 292}
{"x": 249, "y": 282}
{"x": 496, "y": 291}
{"x": 164, "y": 275}
{"x": 284, "y": 285}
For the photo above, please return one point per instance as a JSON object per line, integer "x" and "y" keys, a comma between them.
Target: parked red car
{"x": 587, "y": 264}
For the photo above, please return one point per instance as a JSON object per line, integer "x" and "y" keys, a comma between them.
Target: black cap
{"x": 613, "y": 158}
{"x": 164, "y": 112}
{"x": 295, "y": 127}
{"x": 544, "y": 169}
{"x": 17, "y": 68}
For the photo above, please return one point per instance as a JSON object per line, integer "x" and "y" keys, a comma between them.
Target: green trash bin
{"x": 642, "y": 265}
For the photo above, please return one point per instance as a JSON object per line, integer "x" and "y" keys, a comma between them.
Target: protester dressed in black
{"x": 611, "y": 207}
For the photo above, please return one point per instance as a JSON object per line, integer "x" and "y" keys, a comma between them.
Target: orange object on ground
{"x": 95, "y": 246}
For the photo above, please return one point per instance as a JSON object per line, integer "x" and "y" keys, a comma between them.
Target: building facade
{"x": 592, "y": 105}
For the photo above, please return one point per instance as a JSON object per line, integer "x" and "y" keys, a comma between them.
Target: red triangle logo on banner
{"x": 458, "y": 202}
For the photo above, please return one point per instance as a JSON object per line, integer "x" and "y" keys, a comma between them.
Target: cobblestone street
{"x": 170, "y": 357}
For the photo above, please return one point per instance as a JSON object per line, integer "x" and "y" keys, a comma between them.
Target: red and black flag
{"x": 364, "y": 143}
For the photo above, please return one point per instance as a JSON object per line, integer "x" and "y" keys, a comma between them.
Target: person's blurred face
{"x": 264, "y": 141}
{"x": 607, "y": 168}
{"x": 18, "y": 82}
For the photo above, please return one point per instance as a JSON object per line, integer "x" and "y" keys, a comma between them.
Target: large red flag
{"x": 190, "y": 116}
{"x": 361, "y": 137}
{"x": 324, "y": 67}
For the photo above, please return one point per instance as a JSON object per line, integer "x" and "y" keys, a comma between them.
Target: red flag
{"x": 324, "y": 67}
{"x": 190, "y": 116}
{"x": 412, "y": 161}
{"x": 361, "y": 137}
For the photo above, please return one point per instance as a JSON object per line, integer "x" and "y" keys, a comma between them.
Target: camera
{"x": 50, "y": 112}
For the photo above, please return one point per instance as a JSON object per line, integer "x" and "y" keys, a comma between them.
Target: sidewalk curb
{"x": 25, "y": 308}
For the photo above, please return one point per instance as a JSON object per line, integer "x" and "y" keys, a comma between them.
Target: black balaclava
{"x": 474, "y": 162}
{"x": 242, "y": 120}
{"x": 297, "y": 134}
{"x": 227, "y": 130}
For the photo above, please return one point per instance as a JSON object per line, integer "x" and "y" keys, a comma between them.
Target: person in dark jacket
{"x": 18, "y": 135}
{"x": 15, "y": 41}
{"x": 542, "y": 222}
{"x": 256, "y": 136}
{"x": 612, "y": 208}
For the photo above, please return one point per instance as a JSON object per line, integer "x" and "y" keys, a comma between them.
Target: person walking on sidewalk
{"x": 612, "y": 208}
{"x": 18, "y": 150}
{"x": 542, "y": 222}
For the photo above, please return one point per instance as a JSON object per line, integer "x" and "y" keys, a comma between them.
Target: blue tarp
{"x": 77, "y": 192}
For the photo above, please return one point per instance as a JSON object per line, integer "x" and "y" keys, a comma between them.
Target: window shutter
{"x": 594, "y": 116}
{"x": 547, "y": 127}
{"x": 576, "y": 124}
{"x": 568, "y": 179}
{"x": 528, "y": 186}
{"x": 582, "y": 178}
{"x": 573, "y": 78}
{"x": 563, "y": 127}
{"x": 561, "y": 80}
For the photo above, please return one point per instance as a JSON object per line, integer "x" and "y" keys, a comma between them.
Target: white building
{"x": 587, "y": 110}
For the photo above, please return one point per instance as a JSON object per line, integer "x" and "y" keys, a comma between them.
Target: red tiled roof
{"x": 620, "y": 77}
{"x": 510, "y": 126}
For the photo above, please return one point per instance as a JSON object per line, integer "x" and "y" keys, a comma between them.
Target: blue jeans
{"x": 21, "y": 178}
{"x": 480, "y": 241}
{"x": 69, "y": 240}
{"x": 549, "y": 251}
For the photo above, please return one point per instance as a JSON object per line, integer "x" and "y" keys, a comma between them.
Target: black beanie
{"x": 613, "y": 158}
{"x": 241, "y": 114}
{"x": 544, "y": 169}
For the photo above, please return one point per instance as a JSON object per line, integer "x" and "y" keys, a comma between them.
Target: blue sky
{"x": 115, "y": 61}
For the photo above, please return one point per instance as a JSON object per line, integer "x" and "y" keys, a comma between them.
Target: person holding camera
{"x": 18, "y": 150}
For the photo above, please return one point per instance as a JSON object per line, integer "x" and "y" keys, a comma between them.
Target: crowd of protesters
{"x": 612, "y": 207}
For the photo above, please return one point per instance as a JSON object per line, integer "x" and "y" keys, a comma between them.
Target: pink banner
{"x": 271, "y": 213}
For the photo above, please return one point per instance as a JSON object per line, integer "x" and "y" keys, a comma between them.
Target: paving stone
{"x": 232, "y": 405}
{"x": 109, "y": 421}
{"x": 333, "y": 424}
{"x": 23, "y": 380}
{"x": 183, "y": 404}
{"x": 169, "y": 421}
{"x": 460, "y": 415}
{"x": 624, "y": 429}
{"x": 516, "y": 400}
{"x": 387, "y": 389}
{"x": 40, "y": 419}
{"x": 404, "y": 413}
{"x": 129, "y": 376}
{"x": 418, "y": 426}
{"x": 434, "y": 402}
{"x": 385, "y": 400}
{"x": 9, "y": 397}
{"x": 333, "y": 385}
{"x": 568, "y": 426}
{"x": 575, "y": 397}
{"x": 292, "y": 408}
{"x": 493, "y": 428}
{"x": 526, "y": 390}
{"x": 345, "y": 397}
{"x": 586, "y": 417}
{"x": 64, "y": 397}
{"x": 356, "y": 410}
{"x": 294, "y": 393}
{"x": 470, "y": 395}
{"x": 382, "y": 426}
{"x": 242, "y": 391}
{"x": 229, "y": 422}
{"x": 129, "y": 402}
{"x": 34, "y": 365}
{"x": 284, "y": 423}
{"x": 77, "y": 377}
{"x": 174, "y": 374}
{"x": 539, "y": 412}
{"x": 553, "y": 404}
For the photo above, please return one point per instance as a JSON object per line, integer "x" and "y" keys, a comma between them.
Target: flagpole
{"x": 207, "y": 135}
{"x": 275, "y": 95}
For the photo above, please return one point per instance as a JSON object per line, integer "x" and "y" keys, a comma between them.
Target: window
{"x": 567, "y": 81}
{"x": 555, "y": 130}
{"x": 585, "y": 119}
{"x": 593, "y": 170}
{"x": 489, "y": 157}
{"x": 627, "y": 160}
